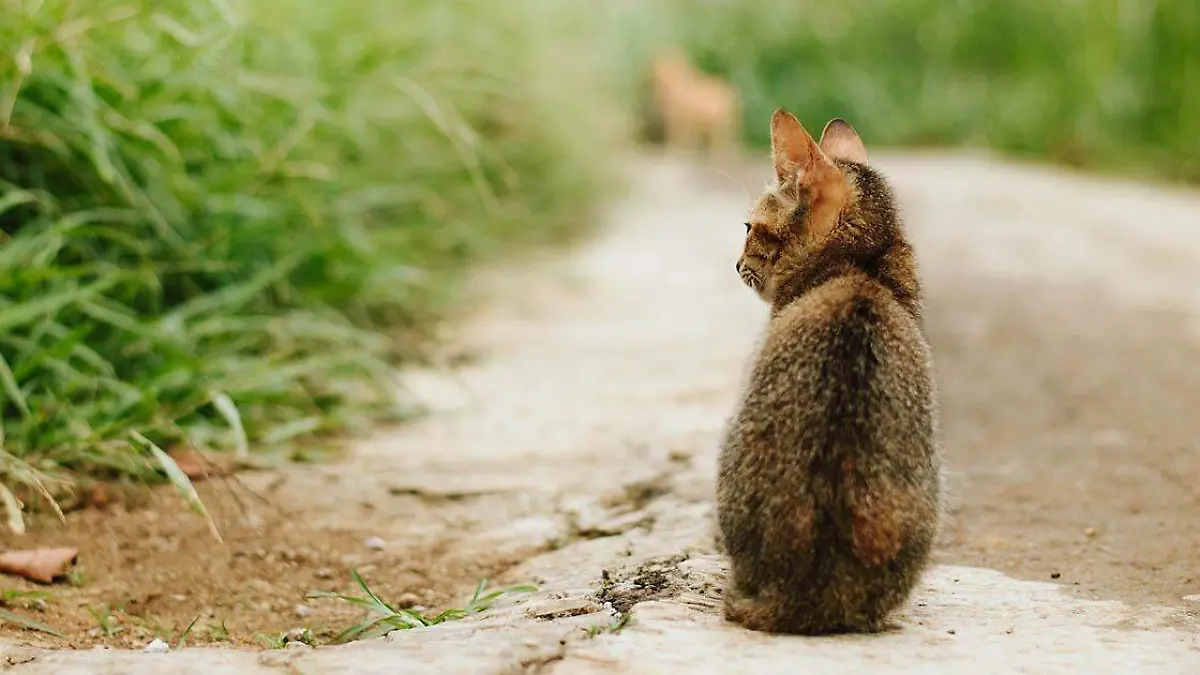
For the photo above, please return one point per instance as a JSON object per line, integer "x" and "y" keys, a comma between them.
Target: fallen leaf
{"x": 198, "y": 466}
{"x": 42, "y": 565}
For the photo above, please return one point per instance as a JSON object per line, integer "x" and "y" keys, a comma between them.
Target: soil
{"x": 1063, "y": 317}
{"x": 155, "y": 568}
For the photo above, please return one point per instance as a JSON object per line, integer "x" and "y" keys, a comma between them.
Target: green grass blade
{"x": 478, "y": 591}
{"x": 384, "y": 607}
{"x": 228, "y": 410}
{"x": 16, "y": 315}
{"x": 365, "y": 603}
{"x": 15, "y": 198}
{"x": 358, "y": 629}
{"x": 9, "y": 382}
{"x": 180, "y": 480}
{"x": 26, "y": 622}
{"x": 181, "y": 641}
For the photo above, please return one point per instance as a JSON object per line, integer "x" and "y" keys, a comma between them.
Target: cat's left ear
{"x": 795, "y": 154}
{"x": 839, "y": 140}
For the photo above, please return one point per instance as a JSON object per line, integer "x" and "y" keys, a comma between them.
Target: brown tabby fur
{"x": 698, "y": 111}
{"x": 829, "y": 484}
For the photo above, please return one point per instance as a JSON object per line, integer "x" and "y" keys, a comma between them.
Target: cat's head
{"x": 828, "y": 207}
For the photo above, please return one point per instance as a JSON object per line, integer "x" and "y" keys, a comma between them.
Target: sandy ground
{"x": 577, "y": 451}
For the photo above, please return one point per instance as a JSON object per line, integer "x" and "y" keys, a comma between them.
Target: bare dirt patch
{"x": 155, "y": 568}
{"x": 1070, "y": 428}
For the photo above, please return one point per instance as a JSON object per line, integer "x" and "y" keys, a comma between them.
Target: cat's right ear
{"x": 839, "y": 140}
{"x": 793, "y": 151}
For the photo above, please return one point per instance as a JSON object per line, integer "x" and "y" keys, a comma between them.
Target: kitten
{"x": 829, "y": 483}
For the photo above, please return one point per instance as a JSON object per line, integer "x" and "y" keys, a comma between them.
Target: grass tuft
{"x": 17, "y": 599}
{"x": 105, "y": 619}
{"x": 383, "y": 618}
{"x": 221, "y": 222}
{"x": 181, "y": 641}
{"x": 28, "y": 623}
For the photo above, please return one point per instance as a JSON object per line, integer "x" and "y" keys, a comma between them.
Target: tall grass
{"x": 216, "y": 214}
{"x": 1114, "y": 83}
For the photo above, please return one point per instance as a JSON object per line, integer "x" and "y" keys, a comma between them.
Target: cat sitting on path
{"x": 829, "y": 485}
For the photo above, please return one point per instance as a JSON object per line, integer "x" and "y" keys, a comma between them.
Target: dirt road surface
{"x": 577, "y": 453}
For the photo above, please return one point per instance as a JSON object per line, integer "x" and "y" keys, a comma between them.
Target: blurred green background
{"x": 223, "y": 220}
{"x": 1113, "y": 84}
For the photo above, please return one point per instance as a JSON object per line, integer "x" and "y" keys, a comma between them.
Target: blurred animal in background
{"x": 698, "y": 112}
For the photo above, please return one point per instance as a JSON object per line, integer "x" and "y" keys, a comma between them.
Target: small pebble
{"x": 407, "y": 601}
{"x": 157, "y": 646}
{"x": 375, "y": 543}
{"x": 303, "y": 611}
{"x": 1008, "y": 631}
{"x": 179, "y": 598}
{"x": 1089, "y": 532}
{"x": 324, "y": 573}
{"x": 950, "y": 631}
{"x": 1055, "y": 575}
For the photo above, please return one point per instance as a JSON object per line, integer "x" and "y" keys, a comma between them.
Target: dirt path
{"x": 577, "y": 453}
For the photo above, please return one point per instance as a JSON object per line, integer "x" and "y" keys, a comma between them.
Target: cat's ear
{"x": 793, "y": 150}
{"x": 839, "y": 140}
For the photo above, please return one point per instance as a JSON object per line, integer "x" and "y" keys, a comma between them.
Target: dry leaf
{"x": 42, "y": 565}
{"x": 198, "y": 466}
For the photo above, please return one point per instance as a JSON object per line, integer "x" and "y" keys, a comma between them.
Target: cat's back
{"x": 844, "y": 351}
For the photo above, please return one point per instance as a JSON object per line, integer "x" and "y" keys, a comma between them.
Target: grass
{"x": 218, "y": 631}
{"x": 222, "y": 221}
{"x": 28, "y": 623}
{"x": 105, "y": 619}
{"x": 1105, "y": 83}
{"x": 16, "y": 599}
{"x": 383, "y": 618}
{"x": 181, "y": 639}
